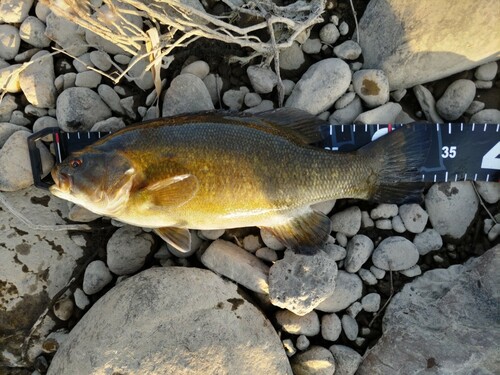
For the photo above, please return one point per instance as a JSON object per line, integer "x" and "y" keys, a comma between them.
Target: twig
{"x": 355, "y": 21}
{"x": 482, "y": 203}
{"x": 386, "y": 302}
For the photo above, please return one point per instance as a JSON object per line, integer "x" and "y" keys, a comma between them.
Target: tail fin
{"x": 404, "y": 152}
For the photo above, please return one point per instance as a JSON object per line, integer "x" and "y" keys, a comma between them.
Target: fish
{"x": 222, "y": 170}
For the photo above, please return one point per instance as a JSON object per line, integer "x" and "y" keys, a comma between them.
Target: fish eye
{"x": 75, "y": 163}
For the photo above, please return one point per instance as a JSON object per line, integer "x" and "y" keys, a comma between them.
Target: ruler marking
{"x": 487, "y": 177}
{"x": 331, "y": 129}
{"x": 473, "y": 126}
{"x": 437, "y": 127}
{"x": 475, "y": 177}
{"x": 354, "y": 128}
{"x": 446, "y": 177}
{"x": 449, "y": 128}
{"x": 423, "y": 177}
{"x": 378, "y": 127}
{"x": 485, "y": 125}
{"x": 366, "y": 128}
{"x": 98, "y": 134}
{"x": 498, "y": 127}
{"x": 67, "y": 135}
{"x": 78, "y": 135}
{"x": 456, "y": 177}
{"x": 434, "y": 178}
{"x": 461, "y": 126}
{"x": 465, "y": 177}
{"x": 88, "y": 135}
{"x": 342, "y": 128}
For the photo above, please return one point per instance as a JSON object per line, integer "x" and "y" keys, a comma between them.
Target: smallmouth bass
{"x": 220, "y": 170}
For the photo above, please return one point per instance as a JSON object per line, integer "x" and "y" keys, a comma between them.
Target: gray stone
{"x": 428, "y": 241}
{"x": 336, "y": 252}
{"x": 289, "y": 347}
{"x": 7, "y": 106}
{"x": 81, "y": 299}
{"x": 349, "y": 50}
{"x": 302, "y": 342}
{"x": 486, "y": 116}
{"x": 43, "y": 123}
{"x": 88, "y": 78}
{"x": 331, "y": 327}
{"x": 227, "y": 259}
{"x": 265, "y": 105}
{"x": 111, "y": 98}
{"x": 377, "y": 272}
{"x": 329, "y": 34}
{"x": 206, "y": 313}
{"x": 63, "y": 308}
{"x": 348, "y": 114}
{"x": 292, "y": 58}
{"x": 412, "y": 271}
{"x": 367, "y": 277}
{"x": 111, "y": 124}
{"x": 414, "y": 217}
{"x": 79, "y": 108}
{"x": 312, "y": 46}
{"x": 14, "y": 11}
{"x": 9, "y": 78}
{"x": 484, "y": 85}
{"x": 41, "y": 11}
{"x": 384, "y": 211}
{"x": 299, "y": 283}
{"x": 37, "y": 81}
{"x": 395, "y": 253}
{"x": 262, "y": 79}
{"x": 489, "y": 191}
{"x": 371, "y": 302}
{"x": 213, "y": 83}
{"x": 487, "y": 72}
{"x": 347, "y": 221}
{"x": 343, "y": 28}
{"x": 320, "y": 86}
{"x": 82, "y": 215}
{"x": 350, "y": 327}
{"x": 32, "y": 31}
{"x": 475, "y": 107}
{"x": 427, "y": 103}
{"x": 211, "y": 234}
{"x": 6, "y": 130}
{"x": 345, "y": 100}
{"x": 234, "y": 99}
{"x": 341, "y": 239}
{"x": 456, "y": 99}
{"x": 397, "y": 95}
{"x": 15, "y": 165}
{"x": 67, "y": 34}
{"x": 359, "y": 249}
{"x": 9, "y": 42}
{"x": 398, "y": 225}
{"x": 384, "y": 224}
{"x": 129, "y": 106}
{"x": 251, "y": 243}
{"x": 127, "y": 250}
{"x": 271, "y": 241}
{"x": 348, "y": 289}
{"x": 187, "y": 93}
{"x": 35, "y": 111}
{"x": 366, "y": 221}
{"x": 18, "y": 118}
{"x": 451, "y": 207}
{"x": 83, "y": 63}
{"x": 100, "y": 60}
{"x": 96, "y": 277}
{"x": 315, "y": 361}
{"x": 139, "y": 74}
{"x": 307, "y": 324}
{"x": 416, "y": 41}
{"x": 445, "y": 322}
{"x": 354, "y": 309}
{"x": 326, "y": 207}
{"x": 199, "y": 68}
{"x": 347, "y": 360}
{"x": 385, "y": 114}
{"x": 267, "y": 254}
{"x": 288, "y": 86}
{"x": 252, "y": 99}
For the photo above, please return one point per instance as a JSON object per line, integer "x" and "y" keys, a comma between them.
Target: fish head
{"x": 98, "y": 181}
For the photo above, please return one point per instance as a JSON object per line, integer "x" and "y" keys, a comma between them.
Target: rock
{"x": 344, "y": 28}
{"x": 6, "y": 130}
{"x": 347, "y": 221}
{"x": 348, "y": 289}
{"x": 252, "y": 99}
{"x": 349, "y": 50}
{"x": 81, "y": 299}
{"x": 347, "y": 360}
{"x": 366, "y": 221}
{"x": 251, "y": 243}
{"x": 299, "y": 283}
{"x": 494, "y": 232}
{"x": 384, "y": 211}
{"x": 101, "y": 60}
{"x": 397, "y": 224}
{"x": 270, "y": 240}
{"x": 234, "y": 99}
{"x": 127, "y": 250}
{"x": 359, "y": 249}
{"x": 18, "y": 118}
{"x": 307, "y": 324}
{"x": 385, "y": 114}
{"x": 331, "y": 327}
{"x": 397, "y": 95}
{"x": 262, "y": 79}
{"x": 288, "y": 86}
{"x": 82, "y": 215}
{"x": 312, "y": 46}
{"x": 345, "y": 100}
{"x": 451, "y": 207}
{"x": 291, "y": 58}
{"x": 67, "y": 34}
{"x": 367, "y": 277}
{"x": 484, "y": 85}
{"x": 265, "y": 105}
{"x": 9, "y": 78}
{"x": 9, "y": 42}
{"x": 326, "y": 207}
{"x": 427, "y": 103}
{"x": 37, "y": 81}
{"x": 371, "y": 302}
{"x": 266, "y": 254}
{"x": 416, "y": 42}
{"x": 341, "y": 239}
{"x": 487, "y": 72}
{"x": 111, "y": 98}
{"x": 186, "y": 93}
{"x": 79, "y": 108}
{"x": 140, "y": 74}
{"x": 14, "y": 11}
{"x": 96, "y": 277}
{"x": 227, "y": 259}
{"x": 329, "y": 34}
{"x": 111, "y": 124}
{"x": 32, "y": 31}
{"x": 42, "y": 11}
{"x": 456, "y": 99}
{"x": 348, "y": 114}
{"x": 395, "y": 253}
{"x": 7, "y": 106}
{"x": 88, "y": 78}
{"x": 320, "y": 86}
{"x": 377, "y": 272}
{"x": 428, "y": 241}
{"x": 436, "y": 320}
{"x": 15, "y": 165}
{"x": 475, "y": 107}
{"x": 414, "y": 217}
{"x": 412, "y": 271}
{"x": 336, "y": 252}
{"x": 207, "y": 313}
{"x": 354, "y": 309}
{"x": 315, "y": 361}
{"x": 63, "y": 308}
{"x": 289, "y": 348}
{"x": 211, "y": 234}
{"x": 198, "y": 68}
{"x": 214, "y": 84}
{"x": 35, "y": 265}
{"x": 302, "y": 342}
{"x": 384, "y": 224}
{"x": 489, "y": 191}
{"x": 486, "y": 116}
{"x": 350, "y": 327}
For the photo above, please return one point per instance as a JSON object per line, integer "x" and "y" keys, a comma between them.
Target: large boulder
{"x": 418, "y": 41}
{"x": 172, "y": 320}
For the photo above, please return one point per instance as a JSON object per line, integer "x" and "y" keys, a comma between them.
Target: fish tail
{"x": 399, "y": 157}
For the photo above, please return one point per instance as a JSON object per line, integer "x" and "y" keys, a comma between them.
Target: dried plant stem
{"x": 355, "y": 15}
{"x": 381, "y": 310}
{"x": 482, "y": 203}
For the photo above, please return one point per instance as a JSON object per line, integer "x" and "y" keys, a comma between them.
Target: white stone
{"x": 359, "y": 249}
{"x": 292, "y": 58}
{"x": 367, "y": 277}
{"x": 302, "y": 342}
{"x": 427, "y": 241}
{"x": 6, "y": 130}
{"x": 344, "y": 28}
{"x": 88, "y": 78}
{"x": 234, "y": 99}
{"x": 81, "y": 299}
{"x": 79, "y": 108}
{"x": 63, "y": 308}
{"x": 489, "y": 191}
{"x": 187, "y": 93}
{"x": 262, "y": 79}
{"x": 288, "y": 86}
{"x": 354, "y": 309}
{"x": 212, "y": 234}
{"x": 486, "y": 72}
{"x": 384, "y": 211}
{"x": 371, "y": 302}
{"x": 372, "y": 86}
{"x": 349, "y": 50}
{"x": 395, "y": 253}
{"x": 345, "y": 100}
{"x": 251, "y": 243}
{"x": 299, "y": 283}
{"x": 7, "y": 106}
{"x": 331, "y": 327}
{"x": 414, "y": 217}
{"x": 347, "y": 221}
{"x": 456, "y": 99}
{"x": 18, "y": 118}
{"x": 329, "y": 33}
{"x": 35, "y": 111}
{"x": 397, "y": 224}
{"x": 32, "y": 31}
{"x": 350, "y": 327}
{"x": 397, "y": 95}
{"x": 100, "y": 60}
{"x": 317, "y": 360}
{"x": 312, "y": 46}
{"x": 96, "y": 277}
{"x": 475, "y": 107}
{"x": 270, "y": 240}
{"x": 213, "y": 315}
{"x": 252, "y": 99}
{"x": 307, "y": 324}
{"x": 111, "y": 98}
{"x": 320, "y": 86}
{"x": 199, "y": 68}
{"x": 9, "y": 78}
{"x": 412, "y": 271}
{"x": 484, "y": 85}
{"x": 366, "y": 221}
{"x": 14, "y": 11}
{"x": 347, "y": 360}
{"x": 451, "y": 207}
{"x": 265, "y": 105}
{"x": 377, "y": 272}
{"x": 37, "y": 81}
{"x": 9, "y": 42}
{"x": 67, "y": 34}
{"x": 427, "y": 103}
{"x": 227, "y": 259}
{"x": 341, "y": 239}
{"x": 348, "y": 114}
{"x": 213, "y": 84}
{"x": 486, "y": 116}
{"x": 336, "y": 252}
{"x": 385, "y": 114}
{"x": 111, "y": 124}
{"x": 384, "y": 224}
{"x": 266, "y": 254}
{"x": 348, "y": 289}
{"x": 494, "y": 232}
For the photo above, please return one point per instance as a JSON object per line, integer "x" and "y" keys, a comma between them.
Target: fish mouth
{"x": 62, "y": 181}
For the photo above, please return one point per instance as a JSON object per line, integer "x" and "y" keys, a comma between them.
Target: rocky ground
{"x": 397, "y": 289}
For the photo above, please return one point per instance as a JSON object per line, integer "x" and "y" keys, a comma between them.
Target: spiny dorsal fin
{"x": 305, "y": 234}
{"x": 180, "y": 238}
{"x": 172, "y": 191}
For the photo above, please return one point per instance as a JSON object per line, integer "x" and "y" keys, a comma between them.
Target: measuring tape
{"x": 458, "y": 152}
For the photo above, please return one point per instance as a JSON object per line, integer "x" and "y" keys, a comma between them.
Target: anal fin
{"x": 180, "y": 238}
{"x": 305, "y": 233}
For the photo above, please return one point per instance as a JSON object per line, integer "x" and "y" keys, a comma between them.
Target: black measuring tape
{"x": 458, "y": 152}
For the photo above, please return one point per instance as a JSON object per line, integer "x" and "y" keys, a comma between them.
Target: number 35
{"x": 449, "y": 152}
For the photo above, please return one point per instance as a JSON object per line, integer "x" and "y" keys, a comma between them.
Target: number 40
{"x": 449, "y": 152}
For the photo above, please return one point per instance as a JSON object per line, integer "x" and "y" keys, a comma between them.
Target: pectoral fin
{"x": 180, "y": 238}
{"x": 172, "y": 191}
{"x": 305, "y": 233}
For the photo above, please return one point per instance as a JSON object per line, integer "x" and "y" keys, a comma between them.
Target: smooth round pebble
{"x": 334, "y": 251}
{"x": 347, "y": 360}
{"x": 111, "y": 98}
{"x": 270, "y": 240}
{"x": 252, "y": 99}
{"x": 288, "y": 86}
{"x": 486, "y": 72}
{"x": 489, "y": 191}
{"x": 262, "y": 79}
{"x": 397, "y": 224}
{"x": 101, "y": 60}
{"x": 414, "y": 217}
{"x": 312, "y": 46}
{"x": 385, "y": 114}
{"x": 96, "y": 277}
{"x": 331, "y": 327}
{"x": 81, "y": 299}
{"x": 371, "y": 302}
{"x": 187, "y": 93}
{"x": 354, "y": 309}
{"x": 456, "y": 99}
{"x": 350, "y": 327}
{"x": 347, "y": 221}
{"x": 395, "y": 254}
{"x": 427, "y": 241}
{"x": 213, "y": 83}
{"x": 341, "y": 239}
{"x": 290, "y": 349}
{"x": 412, "y": 271}
{"x": 302, "y": 342}
{"x": 37, "y": 81}
{"x": 384, "y": 224}
{"x": 63, "y": 308}
{"x": 377, "y": 272}
{"x": 9, "y": 42}
{"x": 127, "y": 250}
{"x": 372, "y": 86}
{"x": 199, "y": 68}
{"x": 366, "y": 221}
{"x": 486, "y": 116}
{"x": 347, "y": 114}
{"x": 367, "y": 277}
{"x": 292, "y": 58}
{"x": 329, "y": 33}
{"x": 88, "y": 78}
{"x": 325, "y": 207}
{"x": 267, "y": 254}
{"x": 212, "y": 234}
{"x": 307, "y": 324}
{"x": 315, "y": 361}
{"x": 32, "y": 31}
{"x": 265, "y": 105}
{"x": 359, "y": 249}
{"x": 349, "y": 50}
{"x": 348, "y": 289}
{"x": 234, "y": 99}
{"x": 384, "y": 211}
{"x": 251, "y": 243}
{"x": 345, "y": 100}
